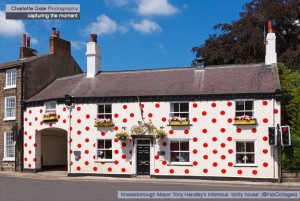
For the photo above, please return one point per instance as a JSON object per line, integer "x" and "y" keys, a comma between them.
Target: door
{"x": 143, "y": 160}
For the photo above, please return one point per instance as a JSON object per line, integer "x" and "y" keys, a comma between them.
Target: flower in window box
{"x": 160, "y": 134}
{"x": 49, "y": 116}
{"x": 122, "y": 135}
{"x": 179, "y": 121}
{"x": 245, "y": 158}
{"x": 103, "y": 122}
{"x": 245, "y": 120}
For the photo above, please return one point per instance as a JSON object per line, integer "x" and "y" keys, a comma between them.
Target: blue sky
{"x": 133, "y": 34}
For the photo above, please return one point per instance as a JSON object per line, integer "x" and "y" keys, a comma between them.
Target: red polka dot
{"x": 124, "y": 156}
{"x": 150, "y": 115}
{"x": 25, "y": 132}
{"x": 78, "y": 121}
{"x": 130, "y": 162}
{"x": 116, "y": 128}
{"x": 214, "y": 139}
{"x": 103, "y": 163}
{"x": 253, "y": 130}
{"x": 195, "y": 105}
{"x": 30, "y": 111}
{"x": 87, "y": 116}
{"x": 50, "y": 125}
{"x": 58, "y": 116}
{"x": 195, "y": 139}
{"x": 265, "y": 120}
{"x": 223, "y": 145}
{"x": 86, "y": 152}
{"x": 95, "y": 169}
{"x": 116, "y": 115}
{"x": 223, "y": 130}
{"x": 157, "y": 105}
{"x": 205, "y": 171}
{"x": 229, "y": 104}
{"x": 186, "y": 132}
{"x": 214, "y": 120}
{"x": 25, "y": 145}
{"x": 124, "y": 107}
{"x": 130, "y": 152}
{"x": 222, "y": 112}
{"x": 254, "y": 172}
{"x": 204, "y": 113}
{"x": 156, "y": 157}
{"x": 87, "y": 140}
{"x": 71, "y": 151}
{"x": 230, "y": 151}
{"x": 87, "y": 128}
{"x": 238, "y": 130}
{"x": 204, "y": 130}
{"x": 35, "y": 145}
{"x": 86, "y": 163}
{"x": 109, "y": 169}
{"x": 240, "y": 172}
{"x": 265, "y": 151}
{"x": 25, "y": 119}
{"x": 25, "y": 159}
{"x": 41, "y": 111}
{"x": 64, "y": 121}
{"x": 41, "y": 123}
{"x": 223, "y": 171}
{"x": 78, "y": 168}
{"x": 123, "y": 170}
{"x": 275, "y": 111}
{"x": 195, "y": 163}
{"x": 64, "y": 109}
{"x": 205, "y": 157}
{"x": 213, "y": 104}
{"x": 215, "y": 164}
{"x": 164, "y": 162}
{"x": 230, "y": 164}
{"x": 94, "y": 145}
{"x": 70, "y": 116}
{"x": 29, "y": 165}
{"x": 116, "y": 162}
{"x": 195, "y": 151}
{"x": 35, "y": 118}
{"x": 71, "y": 163}
{"x": 229, "y": 120}
{"x": 30, "y": 124}
{"x": 131, "y": 115}
{"x": 156, "y": 170}
{"x": 164, "y": 119}
{"x": 215, "y": 151}
{"x": 116, "y": 151}
{"x": 116, "y": 140}
{"x": 186, "y": 171}
{"x": 171, "y": 171}
{"x": 164, "y": 144}
{"x": 123, "y": 144}
{"x": 102, "y": 133}
{"x": 265, "y": 103}
{"x": 124, "y": 120}
{"x": 171, "y": 132}
{"x": 30, "y": 137}
{"x": 265, "y": 164}
{"x": 205, "y": 145}
{"x": 195, "y": 119}
{"x": 79, "y": 145}
{"x": 36, "y": 130}
{"x": 265, "y": 138}
{"x": 229, "y": 139}
{"x": 223, "y": 157}
{"x": 142, "y": 105}
{"x": 78, "y": 132}
{"x": 78, "y": 108}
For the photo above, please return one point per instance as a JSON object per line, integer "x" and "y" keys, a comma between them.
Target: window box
{"x": 51, "y": 117}
{"x": 122, "y": 135}
{"x": 102, "y": 122}
{"x": 245, "y": 122}
{"x": 160, "y": 134}
{"x": 179, "y": 123}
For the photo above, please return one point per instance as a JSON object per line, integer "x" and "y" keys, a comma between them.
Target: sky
{"x": 132, "y": 34}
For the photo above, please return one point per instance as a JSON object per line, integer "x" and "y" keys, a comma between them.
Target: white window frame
{"x": 6, "y": 118}
{"x": 255, "y": 153}
{"x": 172, "y": 108}
{"x": 244, "y": 111}
{"x": 5, "y": 158}
{"x": 104, "y": 104}
{"x": 189, "y": 151}
{"x": 112, "y": 153}
{"x": 51, "y": 109}
{"x": 12, "y": 74}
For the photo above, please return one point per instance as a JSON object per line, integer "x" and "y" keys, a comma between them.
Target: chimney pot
{"x": 58, "y": 34}
{"x": 28, "y": 41}
{"x": 271, "y": 55}
{"x": 24, "y": 40}
{"x": 270, "y": 29}
{"x": 93, "y": 38}
{"x": 53, "y": 31}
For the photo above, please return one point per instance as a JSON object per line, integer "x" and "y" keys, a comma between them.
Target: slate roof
{"x": 19, "y": 62}
{"x": 227, "y": 79}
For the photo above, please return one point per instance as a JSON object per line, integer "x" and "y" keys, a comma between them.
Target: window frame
{"x": 5, "y": 157}
{"x": 97, "y": 149}
{"x": 6, "y": 118}
{"x": 245, "y": 153}
{"x": 189, "y": 151}
{"x": 171, "y": 113}
{"x": 104, "y": 114}
{"x": 50, "y": 110}
{"x": 7, "y": 73}
{"x": 244, "y": 111}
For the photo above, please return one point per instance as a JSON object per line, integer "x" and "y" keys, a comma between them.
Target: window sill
{"x": 9, "y": 119}
{"x": 105, "y": 161}
{"x": 242, "y": 165}
{"x": 10, "y": 87}
{"x": 180, "y": 164}
{"x": 8, "y": 159}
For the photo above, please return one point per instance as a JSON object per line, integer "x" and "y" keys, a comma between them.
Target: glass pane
{"x": 108, "y": 116}
{"x": 240, "y": 147}
{"x": 143, "y": 142}
{"x": 176, "y": 115}
{"x": 100, "y": 154}
{"x": 239, "y": 105}
{"x": 101, "y": 116}
{"x": 250, "y": 158}
{"x": 100, "y": 144}
{"x": 184, "y": 146}
{"x": 176, "y": 107}
{"x": 101, "y": 109}
{"x": 248, "y": 105}
{"x": 184, "y": 157}
{"x": 184, "y": 115}
{"x": 174, "y": 146}
{"x": 107, "y": 108}
{"x": 108, "y": 154}
{"x": 107, "y": 144}
{"x": 239, "y": 158}
{"x": 249, "y": 146}
{"x": 239, "y": 114}
{"x": 249, "y": 113}
{"x": 184, "y": 107}
{"x": 174, "y": 157}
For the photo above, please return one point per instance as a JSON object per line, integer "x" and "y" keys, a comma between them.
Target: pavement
{"x": 62, "y": 175}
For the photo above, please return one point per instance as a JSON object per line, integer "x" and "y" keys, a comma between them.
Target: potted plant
{"x": 244, "y": 120}
{"x": 49, "y": 116}
{"x": 103, "y": 122}
{"x": 179, "y": 121}
{"x": 160, "y": 134}
{"x": 122, "y": 135}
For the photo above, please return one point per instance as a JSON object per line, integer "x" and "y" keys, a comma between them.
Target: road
{"x": 26, "y": 189}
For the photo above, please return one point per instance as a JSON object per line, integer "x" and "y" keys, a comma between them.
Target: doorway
{"x": 143, "y": 157}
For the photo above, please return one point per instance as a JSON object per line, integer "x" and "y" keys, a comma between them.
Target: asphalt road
{"x": 25, "y": 189}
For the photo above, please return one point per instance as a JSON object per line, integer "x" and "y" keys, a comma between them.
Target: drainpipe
{"x": 23, "y": 106}
{"x": 69, "y": 103}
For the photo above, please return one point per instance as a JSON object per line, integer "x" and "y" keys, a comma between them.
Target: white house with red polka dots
{"x": 203, "y": 122}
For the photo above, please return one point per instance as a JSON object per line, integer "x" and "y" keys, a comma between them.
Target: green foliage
{"x": 290, "y": 83}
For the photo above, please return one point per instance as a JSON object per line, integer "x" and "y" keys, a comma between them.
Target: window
{"x": 104, "y": 150}
{"x": 245, "y": 153}
{"x": 50, "y": 107}
{"x": 11, "y": 78}
{"x": 104, "y": 111}
{"x": 179, "y": 110}
{"x": 9, "y": 146}
{"x": 244, "y": 107}
{"x": 180, "y": 151}
{"x": 10, "y": 107}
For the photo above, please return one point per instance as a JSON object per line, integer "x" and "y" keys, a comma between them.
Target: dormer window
{"x": 10, "y": 78}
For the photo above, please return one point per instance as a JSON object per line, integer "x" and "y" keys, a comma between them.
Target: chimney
{"x": 271, "y": 55}
{"x": 93, "y": 56}
{"x": 200, "y": 63}
{"x": 25, "y": 50}
{"x": 58, "y": 45}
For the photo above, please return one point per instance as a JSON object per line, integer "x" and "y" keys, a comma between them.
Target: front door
{"x": 143, "y": 160}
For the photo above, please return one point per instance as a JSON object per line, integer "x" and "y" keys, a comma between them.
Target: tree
{"x": 242, "y": 40}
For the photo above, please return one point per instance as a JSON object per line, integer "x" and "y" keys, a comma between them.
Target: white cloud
{"x": 156, "y": 7}
{"x": 77, "y": 44}
{"x": 122, "y": 28}
{"x": 34, "y": 41}
{"x": 118, "y": 3}
{"x": 10, "y": 28}
{"x": 103, "y": 25}
{"x": 145, "y": 26}
{"x": 161, "y": 47}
